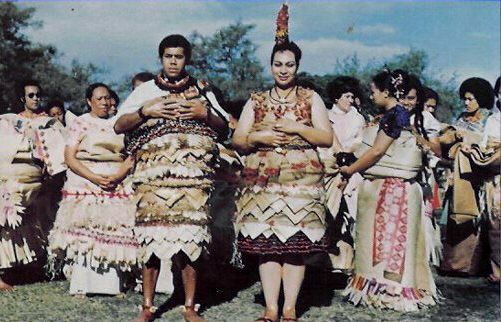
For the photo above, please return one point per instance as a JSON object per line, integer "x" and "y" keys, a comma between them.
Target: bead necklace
{"x": 282, "y": 100}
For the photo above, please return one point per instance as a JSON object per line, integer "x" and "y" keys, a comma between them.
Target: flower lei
{"x": 10, "y": 204}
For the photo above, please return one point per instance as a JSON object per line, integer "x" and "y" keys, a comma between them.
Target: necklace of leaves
{"x": 282, "y": 100}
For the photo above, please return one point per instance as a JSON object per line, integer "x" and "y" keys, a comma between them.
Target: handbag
{"x": 403, "y": 159}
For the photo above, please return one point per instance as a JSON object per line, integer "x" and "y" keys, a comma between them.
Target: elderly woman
{"x": 281, "y": 216}
{"x": 464, "y": 247}
{"x": 94, "y": 223}
{"x": 391, "y": 266}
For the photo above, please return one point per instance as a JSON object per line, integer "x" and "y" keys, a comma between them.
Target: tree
{"x": 415, "y": 62}
{"x": 21, "y": 59}
{"x": 228, "y": 60}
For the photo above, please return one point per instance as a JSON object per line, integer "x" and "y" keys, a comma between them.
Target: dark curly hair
{"x": 173, "y": 41}
{"x": 481, "y": 90}
{"x": 343, "y": 84}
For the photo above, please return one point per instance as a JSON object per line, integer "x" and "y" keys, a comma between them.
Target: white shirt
{"x": 430, "y": 124}
{"x": 492, "y": 129}
{"x": 348, "y": 127}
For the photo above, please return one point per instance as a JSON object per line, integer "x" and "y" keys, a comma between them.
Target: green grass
{"x": 465, "y": 299}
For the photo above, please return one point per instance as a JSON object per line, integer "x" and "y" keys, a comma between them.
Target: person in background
{"x": 93, "y": 227}
{"x": 464, "y": 246}
{"x": 55, "y": 109}
{"x": 392, "y": 270}
{"x": 348, "y": 125}
{"x": 31, "y": 149}
{"x": 140, "y": 78}
{"x": 114, "y": 102}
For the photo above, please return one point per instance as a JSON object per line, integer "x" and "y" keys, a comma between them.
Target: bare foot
{"x": 289, "y": 315}
{"x": 5, "y": 287}
{"x": 493, "y": 278}
{"x": 144, "y": 316}
{"x": 191, "y": 315}
{"x": 269, "y": 315}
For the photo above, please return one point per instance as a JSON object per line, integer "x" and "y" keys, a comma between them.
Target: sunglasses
{"x": 32, "y": 95}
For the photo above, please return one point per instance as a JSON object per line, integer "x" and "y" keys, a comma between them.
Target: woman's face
{"x": 113, "y": 107}
{"x": 378, "y": 97}
{"x": 284, "y": 68}
{"x": 430, "y": 105}
{"x": 345, "y": 102}
{"x": 410, "y": 100}
{"x": 173, "y": 61}
{"x": 57, "y": 113}
{"x": 470, "y": 103}
{"x": 100, "y": 102}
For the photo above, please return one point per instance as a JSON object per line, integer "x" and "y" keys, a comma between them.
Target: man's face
{"x": 173, "y": 61}
{"x": 31, "y": 98}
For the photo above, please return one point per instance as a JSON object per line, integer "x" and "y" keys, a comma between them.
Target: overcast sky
{"x": 462, "y": 37}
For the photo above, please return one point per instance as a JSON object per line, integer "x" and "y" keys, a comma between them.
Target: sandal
{"x": 290, "y": 320}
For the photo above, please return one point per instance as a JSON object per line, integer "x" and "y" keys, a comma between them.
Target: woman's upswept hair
{"x": 395, "y": 82}
{"x": 287, "y": 46}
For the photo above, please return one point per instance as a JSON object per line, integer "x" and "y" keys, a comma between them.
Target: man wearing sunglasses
{"x": 30, "y": 94}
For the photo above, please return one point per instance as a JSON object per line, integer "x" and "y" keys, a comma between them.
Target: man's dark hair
{"x": 20, "y": 90}
{"x": 142, "y": 77}
{"x": 173, "y": 41}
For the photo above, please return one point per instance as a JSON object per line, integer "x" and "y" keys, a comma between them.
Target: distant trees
{"x": 20, "y": 59}
{"x": 226, "y": 59}
{"x": 415, "y": 62}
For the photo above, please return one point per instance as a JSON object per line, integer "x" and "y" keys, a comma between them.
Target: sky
{"x": 460, "y": 37}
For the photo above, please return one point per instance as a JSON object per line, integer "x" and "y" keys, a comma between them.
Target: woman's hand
{"x": 192, "y": 110}
{"x": 288, "y": 126}
{"x": 268, "y": 137}
{"x": 345, "y": 171}
{"x": 103, "y": 181}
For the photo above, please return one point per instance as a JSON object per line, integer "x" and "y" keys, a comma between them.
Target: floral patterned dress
{"x": 281, "y": 204}
{"x": 94, "y": 227}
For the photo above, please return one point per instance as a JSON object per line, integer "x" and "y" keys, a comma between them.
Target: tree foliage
{"x": 228, "y": 60}
{"x": 415, "y": 62}
{"x": 21, "y": 59}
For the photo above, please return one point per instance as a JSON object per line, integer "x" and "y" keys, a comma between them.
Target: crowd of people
{"x": 128, "y": 186}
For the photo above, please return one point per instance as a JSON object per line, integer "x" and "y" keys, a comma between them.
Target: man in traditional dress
{"x": 172, "y": 123}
